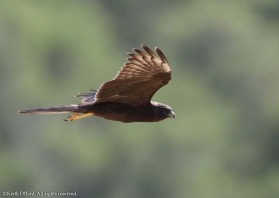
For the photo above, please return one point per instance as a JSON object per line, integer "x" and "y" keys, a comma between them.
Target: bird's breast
{"x": 116, "y": 111}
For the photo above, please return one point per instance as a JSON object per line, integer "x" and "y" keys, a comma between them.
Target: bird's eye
{"x": 166, "y": 111}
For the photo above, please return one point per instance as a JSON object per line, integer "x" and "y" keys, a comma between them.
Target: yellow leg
{"x": 77, "y": 116}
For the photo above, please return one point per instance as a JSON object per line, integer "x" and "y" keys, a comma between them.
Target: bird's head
{"x": 164, "y": 110}
{"x": 167, "y": 111}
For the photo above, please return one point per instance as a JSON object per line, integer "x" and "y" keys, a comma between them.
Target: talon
{"x": 77, "y": 116}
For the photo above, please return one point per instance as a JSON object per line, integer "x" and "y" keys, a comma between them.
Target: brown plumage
{"x": 126, "y": 98}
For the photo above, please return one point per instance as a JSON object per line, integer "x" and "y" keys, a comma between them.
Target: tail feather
{"x": 52, "y": 110}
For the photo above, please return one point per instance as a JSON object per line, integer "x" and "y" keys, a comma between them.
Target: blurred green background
{"x": 225, "y": 63}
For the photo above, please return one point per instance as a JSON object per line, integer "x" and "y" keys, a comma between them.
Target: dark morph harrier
{"x": 126, "y": 98}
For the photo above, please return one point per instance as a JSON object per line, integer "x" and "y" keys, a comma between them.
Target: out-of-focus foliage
{"x": 225, "y": 62}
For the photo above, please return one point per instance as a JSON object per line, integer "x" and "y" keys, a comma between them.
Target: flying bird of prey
{"x": 126, "y": 98}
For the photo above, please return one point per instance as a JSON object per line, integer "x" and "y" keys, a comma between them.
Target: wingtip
{"x": 137, "y": 51}
{"x": 161, "y": 54}
{"x": 130, "y": 54}
{"x": 157, "y": 49}
{"x": 143, "y": 46}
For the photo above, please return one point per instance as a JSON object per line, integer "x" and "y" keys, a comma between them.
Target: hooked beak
{"x": 172, "y": 114}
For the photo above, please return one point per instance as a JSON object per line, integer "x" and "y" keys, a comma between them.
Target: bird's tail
{"x": 52, "y": 110}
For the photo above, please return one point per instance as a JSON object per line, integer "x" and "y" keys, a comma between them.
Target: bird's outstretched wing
{"x": 138, "y": 80}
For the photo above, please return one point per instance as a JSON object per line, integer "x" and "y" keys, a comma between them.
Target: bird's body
{"x": 126, "y": 113}
{"x": 126, "y": 98}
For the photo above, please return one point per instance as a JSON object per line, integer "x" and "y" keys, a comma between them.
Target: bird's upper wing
{"x": 138, "y": 80}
